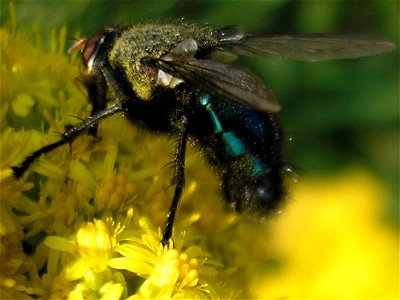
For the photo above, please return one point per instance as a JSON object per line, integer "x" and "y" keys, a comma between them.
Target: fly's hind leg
{"x": 179, "y": 180}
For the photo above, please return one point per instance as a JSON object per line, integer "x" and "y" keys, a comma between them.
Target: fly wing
{"x": 312, "y": 47}
{"x": 220, "y": 79}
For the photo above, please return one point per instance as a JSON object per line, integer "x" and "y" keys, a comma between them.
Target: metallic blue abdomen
{"x": 245, "y": 146}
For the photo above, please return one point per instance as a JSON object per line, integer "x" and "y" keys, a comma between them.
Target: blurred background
{"x": 338, "y": 115}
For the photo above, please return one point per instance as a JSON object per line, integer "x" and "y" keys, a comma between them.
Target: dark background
{"x": 336, "y": 114}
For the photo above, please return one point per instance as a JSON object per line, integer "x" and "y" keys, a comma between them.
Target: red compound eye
{"x": 91, "y": 49}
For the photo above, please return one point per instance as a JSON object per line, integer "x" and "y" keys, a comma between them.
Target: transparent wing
{"x": 312, "y": 47}
{"x": 222, "y": 80}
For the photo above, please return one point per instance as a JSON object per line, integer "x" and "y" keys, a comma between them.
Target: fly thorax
{"x": 141, "y": 78}
{"x": 140, "y": 42}
{"x": 152, "y": 41}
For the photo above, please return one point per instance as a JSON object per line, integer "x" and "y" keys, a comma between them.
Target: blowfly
{"x": 179, "y": 78}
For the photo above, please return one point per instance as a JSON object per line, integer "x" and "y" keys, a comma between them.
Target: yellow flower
{"x": 84, "y": 261}
{"x": 113, "y": 192}
{"x": 104, "y": 286}
{"x": 169, "y": 272}
{"x": 94, "y": 244}
{"x": 331, "y": 243}
{"x": 103, "y": 247}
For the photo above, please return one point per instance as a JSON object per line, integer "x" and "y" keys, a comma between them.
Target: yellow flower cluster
{"x": 96, "y": 256}
{"x": 333, "y": 242}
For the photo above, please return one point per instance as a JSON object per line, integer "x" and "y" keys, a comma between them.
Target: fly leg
{"x": 67, "y": 137}
{"x": 179, "y": 180}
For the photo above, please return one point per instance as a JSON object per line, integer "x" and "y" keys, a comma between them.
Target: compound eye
{"x": 91, "y": 49}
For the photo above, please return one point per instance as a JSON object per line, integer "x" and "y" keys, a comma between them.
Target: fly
{"x": 175, "y": 78}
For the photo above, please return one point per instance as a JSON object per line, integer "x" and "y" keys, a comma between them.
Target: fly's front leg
{"x": 67, "y": 137}
{"x": 179, "y": 180}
